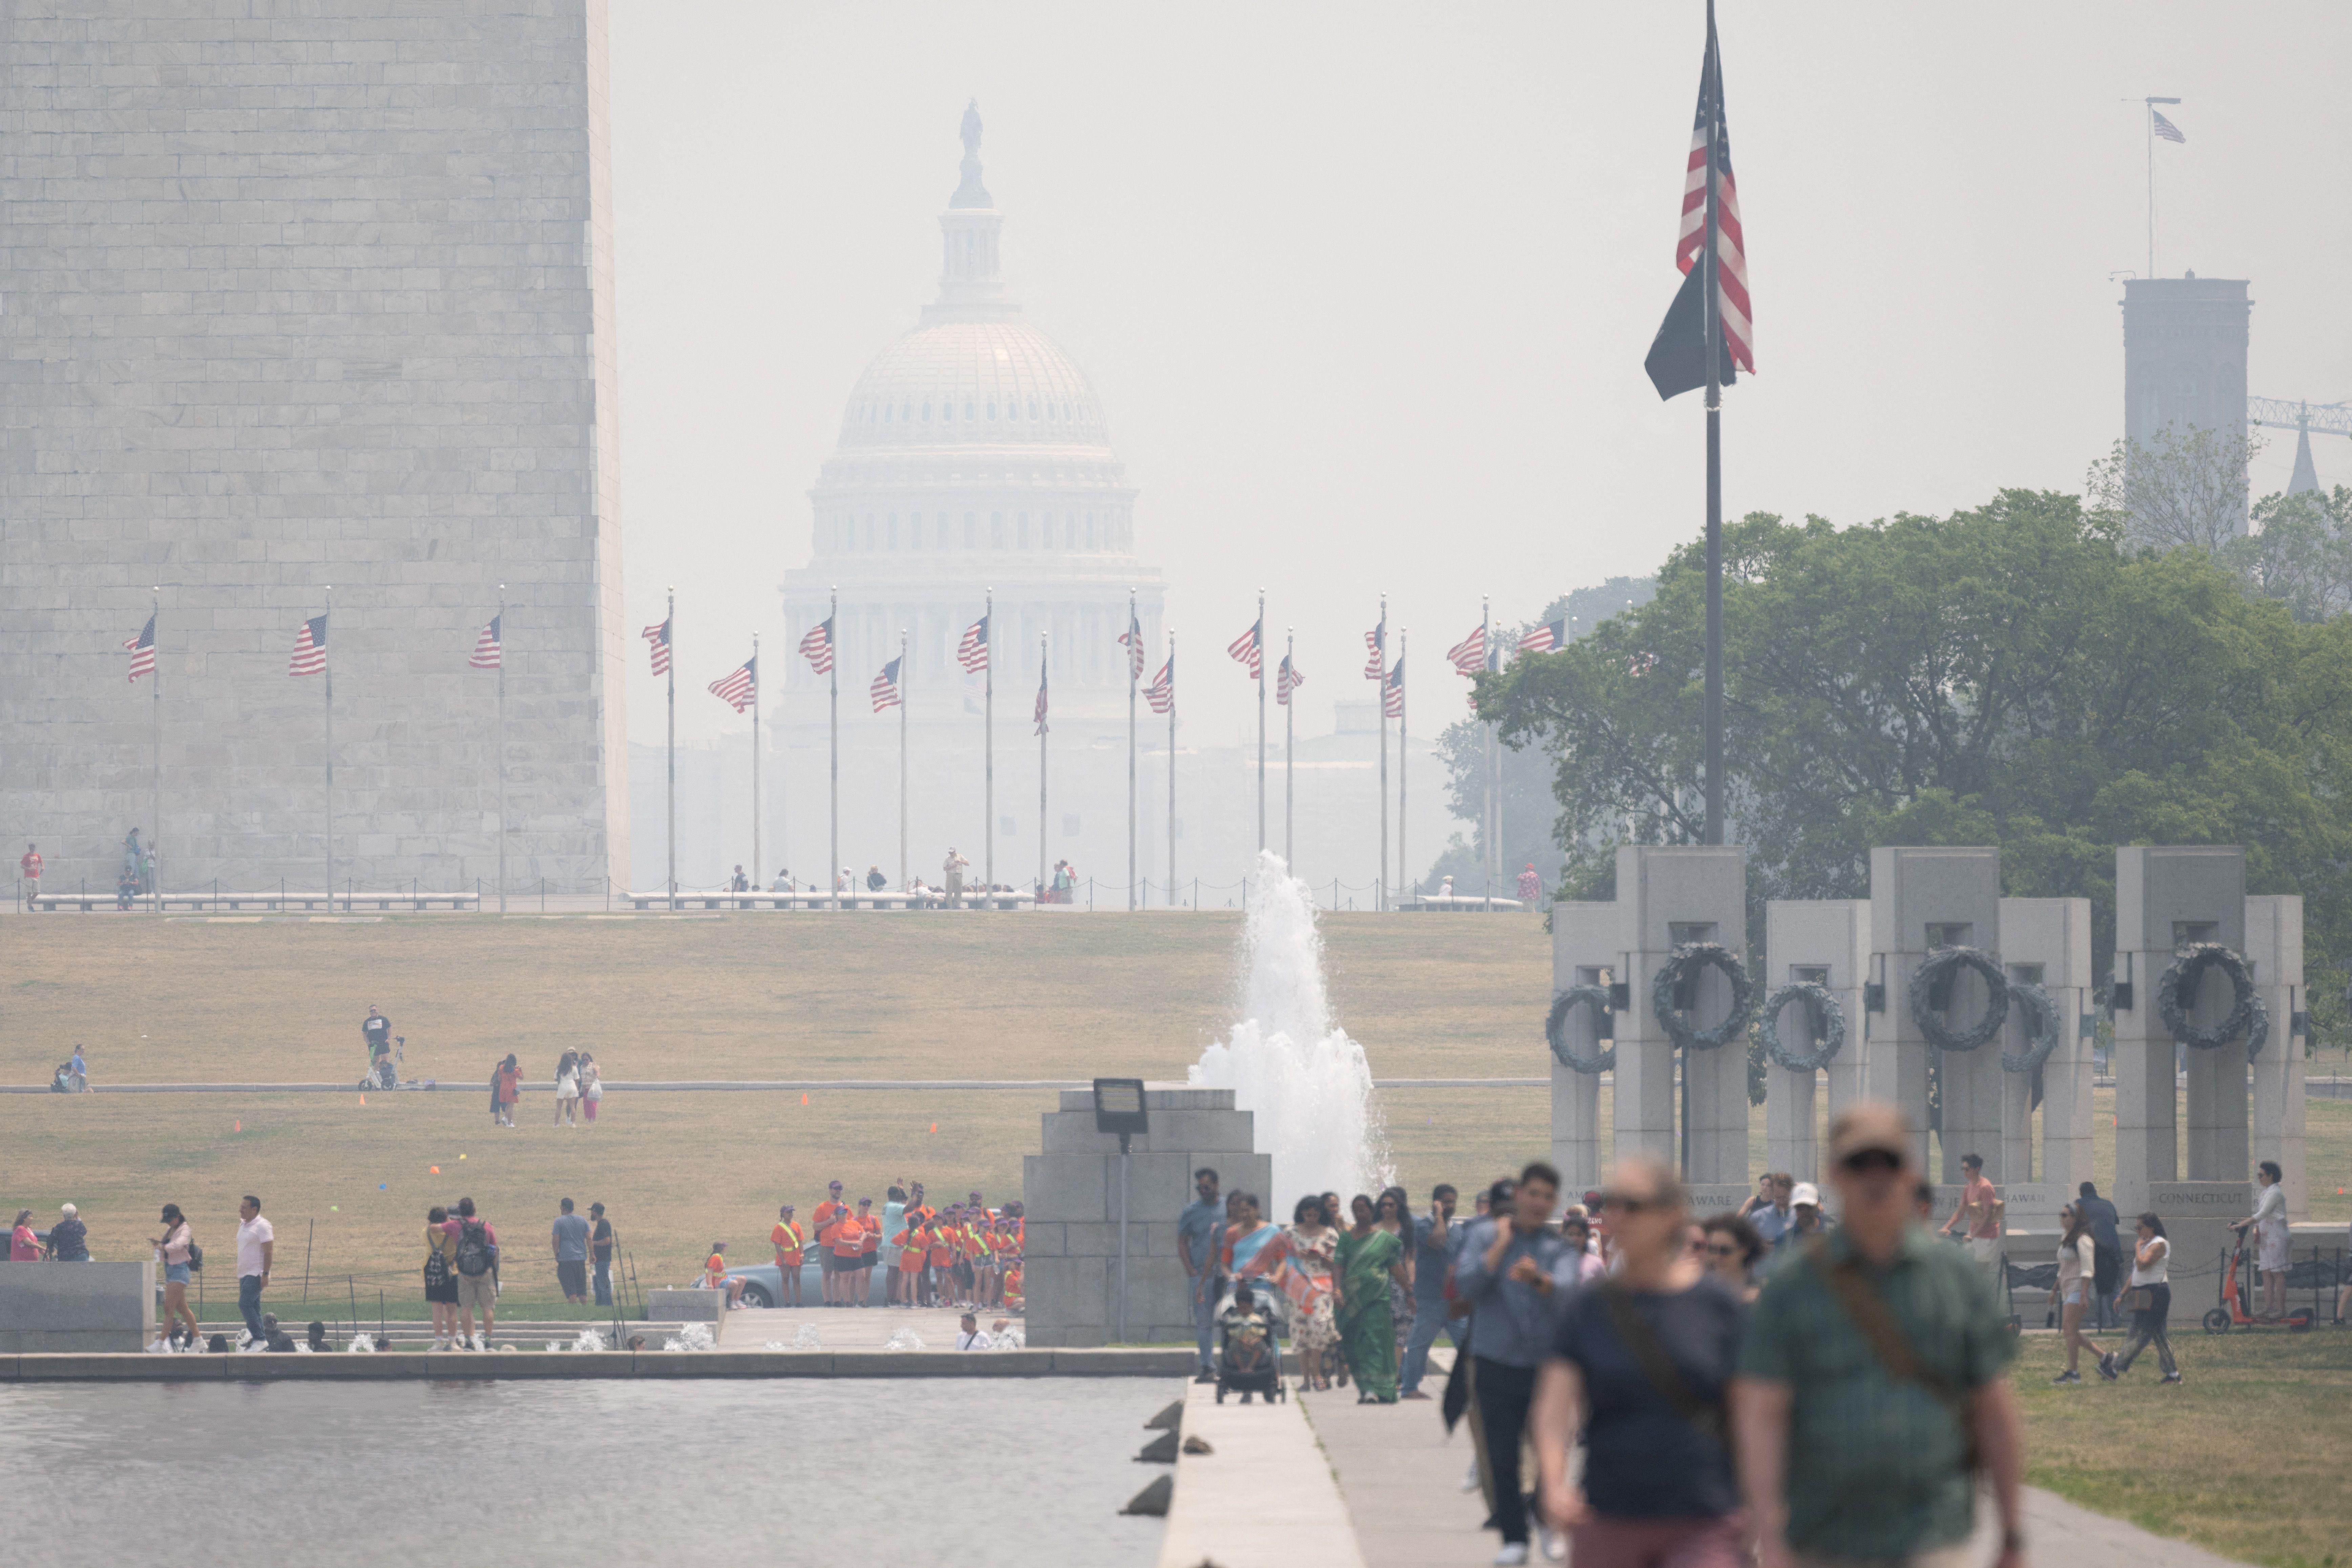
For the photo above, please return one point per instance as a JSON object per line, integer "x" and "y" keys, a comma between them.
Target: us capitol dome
{"x": 973, "y": 455}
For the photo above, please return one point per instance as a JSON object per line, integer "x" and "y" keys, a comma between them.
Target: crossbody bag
{"x": 1658, "y": 1369}
{"x": 1876, "y": 1322}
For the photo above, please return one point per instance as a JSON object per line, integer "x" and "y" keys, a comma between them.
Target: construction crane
{"x": 2303, "y": 418}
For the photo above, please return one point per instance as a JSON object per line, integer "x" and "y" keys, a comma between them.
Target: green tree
{"x": 2012, "y": 675}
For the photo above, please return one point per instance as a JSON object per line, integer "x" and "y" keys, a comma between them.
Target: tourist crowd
{"x": 1856, "y": 1367}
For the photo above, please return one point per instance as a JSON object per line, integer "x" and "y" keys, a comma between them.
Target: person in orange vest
{"x": 714, "y": 1277}
{"x": 822, "y": 1222}
{"x": 845, "y": 1243}
{"x": 869, "y": 1250}
{"x": 790, "y": 1245}
{"x": 912, "y": 1242}
{"x": 940, "y": 1263}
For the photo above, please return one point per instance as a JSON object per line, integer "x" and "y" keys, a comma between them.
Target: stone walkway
{"x": 1400, "y": 1477}
{"x": 846, "y": 1328}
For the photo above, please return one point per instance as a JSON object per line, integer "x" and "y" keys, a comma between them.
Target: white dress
{"x": 2271, "y": 1230}
{"x": 568, "y": 1086}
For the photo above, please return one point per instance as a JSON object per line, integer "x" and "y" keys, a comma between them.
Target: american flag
{"x": 885, "y": 686}
{"x": 1249, "y": 648}
{"x": 740, "y": 685}
{"x": 1376, "y": 648}
{"x": 973, "y": 652}
{"x": 142, "y": 651}
{"x": 310, "y": 648}
{"x": 818, "y": 646}
{"x": 1132, "y": 640}
{"x": 2166, "y": 128}
{"x": 1040, "y": 714}
{"x": 1731, "y": 249}
{"x": 1162, "y": 692}
{"x": 1392, "y": 704}
{"x": 1287, "y": 680}
{"x": 1545, "y": 637}
{"x": 1469, "y": 655}
{"x": 485, "y": 646}
{"x": 658, "y": 638}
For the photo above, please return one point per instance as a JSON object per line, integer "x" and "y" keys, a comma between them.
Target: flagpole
{"x": 904, "y": 674}
{"x": 756, "y": 861}
{"x": 1712, "y": 338}
{"x": 1259, "y": 633}
{"x": 2147, "y": 125}
{"x": 1042, "y": 727}
{"x": 502, "y": 748}
{"x": 988, "y": 740}
{"x": 832, "y": 720}
{"x": 155, "y": 777}
{"x": 1172, "y": 770}
{"x": 1289, "y": 730}
{"x": 669, "y": 636}
{"x": 1381, "y": 701}
{"x": 1404, "y": 768}
{"x": 1487, "y": 648}
{"x": 1134, "y": 670}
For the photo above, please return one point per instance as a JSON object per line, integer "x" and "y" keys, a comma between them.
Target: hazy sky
{"x": 1365, "y": 288}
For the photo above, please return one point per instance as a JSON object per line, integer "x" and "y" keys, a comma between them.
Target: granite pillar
{"x": 1922, "y": 899}
{"x": 1827, "y": 942}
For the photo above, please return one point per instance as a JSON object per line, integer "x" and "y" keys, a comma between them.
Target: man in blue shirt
{"x": 1508, "y": 1270}
{"x": 1199, "y": 1230}
{"x": 1434, "y": 1236}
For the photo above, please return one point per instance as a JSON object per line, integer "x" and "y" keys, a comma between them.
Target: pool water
{"x": 1028, "y": 1472}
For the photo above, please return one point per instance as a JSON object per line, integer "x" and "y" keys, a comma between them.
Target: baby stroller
{"x": 383, "y": 1072}
{"x": 1249, "y": 1350}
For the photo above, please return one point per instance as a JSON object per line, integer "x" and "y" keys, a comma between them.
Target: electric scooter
{"x": 2231, "y": 1312}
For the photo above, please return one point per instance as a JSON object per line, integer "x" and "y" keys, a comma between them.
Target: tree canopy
{"x": 2013, "y": 675}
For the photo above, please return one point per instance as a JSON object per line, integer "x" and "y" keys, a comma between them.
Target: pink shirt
{"x": 1986, "y": 1222}
{"x": 22, "y": 1246}
{"x": 175, "y": 1243}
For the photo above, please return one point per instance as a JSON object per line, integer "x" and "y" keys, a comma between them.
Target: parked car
{"x": 763, "y": 1282}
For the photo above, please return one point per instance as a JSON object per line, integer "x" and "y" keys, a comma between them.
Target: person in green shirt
{"x": 1873, "y": 1380}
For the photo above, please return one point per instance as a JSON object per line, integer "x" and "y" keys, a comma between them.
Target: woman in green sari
{"x": 1369, "y": 1259}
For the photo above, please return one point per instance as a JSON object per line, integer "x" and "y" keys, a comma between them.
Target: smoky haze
{"x": 1366, "y": 290}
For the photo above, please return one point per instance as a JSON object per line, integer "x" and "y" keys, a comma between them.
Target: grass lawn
{"x": 2245, "y": 1457}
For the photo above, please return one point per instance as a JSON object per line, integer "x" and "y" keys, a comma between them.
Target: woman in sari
{"x": 1247, "y": 1233}
{"x": 1298, "y": 1260}
{"x": 1393, "y": 1212}
{"x": 1369, "y": 1259}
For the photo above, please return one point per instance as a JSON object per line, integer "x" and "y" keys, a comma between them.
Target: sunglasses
{"x": 1721, "y": 1249}
{"x": 1624, "y": 1204}
{"x": 1863, "y": 1161}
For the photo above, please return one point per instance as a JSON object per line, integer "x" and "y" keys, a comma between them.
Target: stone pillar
{"x": 2168, "y": 896}
{"x": 1666, "y": 896}
{"x": 2047, "y": 942}
{"x": 1826, "y": 942}
{"x": 1069, "y": 1196}
{"x": 2275, "y": 948}
{"x": 1584, "y": 952}
{"x": 1922, "y": 899}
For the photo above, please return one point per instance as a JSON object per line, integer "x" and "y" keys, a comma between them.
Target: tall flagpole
{"x": 1491, "y": 863}
{"x": 669, "y": 635}
{"x": 833, "y": 691}
{"x": 1404, "y": 767}
{"x": 756, "y": 798}
{"x": 1172, "y": 770}
{"x": 1712, "y": 335}
{"x": 155, "y": 776}
{"x": 502, "y": 748}
{"x": 904, "y": 672}
{"x": 1134, "y": 672}
{"x": 1290, "y": 729}
{"x": 1041, "y": 728}
{"x": 1259, "y": 633}
{"x": 1381, "y": 701}
{"x": 988, "y": 740}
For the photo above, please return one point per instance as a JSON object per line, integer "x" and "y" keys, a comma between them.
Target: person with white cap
{"x": 1807, "y": 1219}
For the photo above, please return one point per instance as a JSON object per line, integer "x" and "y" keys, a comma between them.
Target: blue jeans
{"x": 249, "y": 1302}
{"x": 604, "y": 1282}
{"x": 1428, "y": 1321}
{"x": 1204, "y": 1316}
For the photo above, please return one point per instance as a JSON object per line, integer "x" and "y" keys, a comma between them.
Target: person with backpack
{"x": 1873, "y": 1388}
{"x": 441, "y": 1276}
{"x": 1640, "y": 1365}
{"x": 477, "y": 1274}
{"x": 177, "y": 1250}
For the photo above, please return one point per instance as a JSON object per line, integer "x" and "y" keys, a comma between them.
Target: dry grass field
{"x": 667, "y": 998}
{"x": 709, "y": 997}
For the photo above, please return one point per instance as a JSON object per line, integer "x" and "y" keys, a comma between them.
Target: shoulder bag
{"x": 1658, "y": 1369}
{"x": 1876, "y": 1321}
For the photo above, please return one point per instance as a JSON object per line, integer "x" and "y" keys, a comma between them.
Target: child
{"x": 912, "y": 1244}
